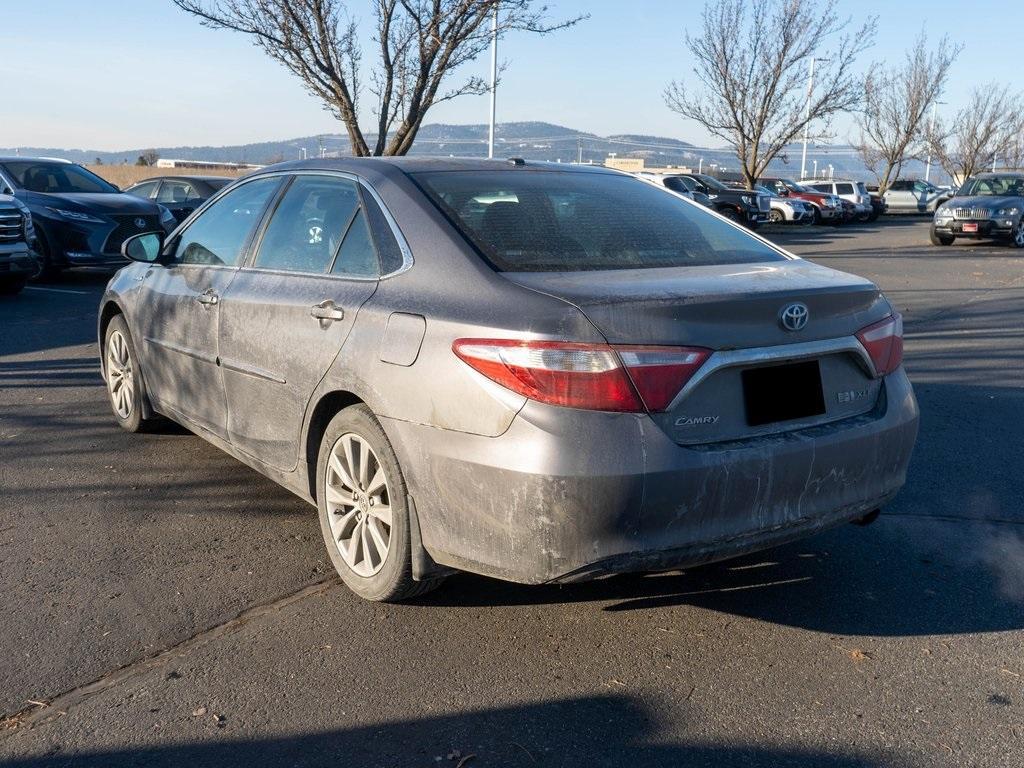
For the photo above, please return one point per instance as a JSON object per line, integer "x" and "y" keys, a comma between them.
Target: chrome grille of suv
{"x": 763, "y": 203}
{"x": 971, "y": 213}
{"x": 12, "y": 224}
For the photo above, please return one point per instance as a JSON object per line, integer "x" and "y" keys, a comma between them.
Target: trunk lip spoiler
{"x": 778, "y": 353}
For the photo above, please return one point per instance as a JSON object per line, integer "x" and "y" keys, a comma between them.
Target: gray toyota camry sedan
{"x": 530, "y": 371}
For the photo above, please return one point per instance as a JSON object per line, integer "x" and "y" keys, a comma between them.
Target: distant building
{"x": 639, "y": 164}
{"x": 207, "y": 165}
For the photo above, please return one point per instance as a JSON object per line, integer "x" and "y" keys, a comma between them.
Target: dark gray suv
{"x": 989, "y": 205}
{"x": 530, "y": 371}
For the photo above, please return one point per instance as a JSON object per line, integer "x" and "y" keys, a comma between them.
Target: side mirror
{"x": 144, "y": 248}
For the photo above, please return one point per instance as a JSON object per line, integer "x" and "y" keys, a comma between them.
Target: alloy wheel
{"x": 120, "y": 375}
{"x": 1018, "y": 234}
{"x": 358, "y": 505}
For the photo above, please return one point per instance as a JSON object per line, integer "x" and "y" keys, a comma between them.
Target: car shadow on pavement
{"x": 584, "y": 732}
{"x": 903, "y": 576}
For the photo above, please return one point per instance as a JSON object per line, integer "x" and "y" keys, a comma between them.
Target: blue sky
{"x": 113, "y": 74}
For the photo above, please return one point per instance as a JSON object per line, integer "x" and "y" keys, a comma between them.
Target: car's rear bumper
{"x": 566, "y": 495}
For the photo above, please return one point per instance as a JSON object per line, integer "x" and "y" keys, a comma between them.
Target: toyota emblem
{"x": 793, "y": 317}
{"x": 140, "y": 223}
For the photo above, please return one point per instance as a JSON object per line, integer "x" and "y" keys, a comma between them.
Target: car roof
{"x": 178, "y": 177}
{"x": 23, "y": 158}
{"x": 423, "y": 164}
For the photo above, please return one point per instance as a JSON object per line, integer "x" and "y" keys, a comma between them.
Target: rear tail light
{"x": 595, "y": 377}
{"x": 658, "y": 373}
{"x": 883, "y": 342}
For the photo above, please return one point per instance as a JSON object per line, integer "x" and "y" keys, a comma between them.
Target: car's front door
{"x": 289, "y": 310}
{"x": 180, "y": 303}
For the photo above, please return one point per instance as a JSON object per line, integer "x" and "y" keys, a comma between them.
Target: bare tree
{"x": 420, "y": 43}
{"x": 753, "y": 70}
{"x": 980, "y": 133}
{"x": 149, "y": 157}
{"x": 896, "y": 100}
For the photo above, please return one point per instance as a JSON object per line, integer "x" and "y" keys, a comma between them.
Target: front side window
{"x": 561, "y": 221}
{"x": 55, "y": 178}
{"x": 220, "y": 233}
{"x": 844, "y": 189}
{"x": 827, "y": 188}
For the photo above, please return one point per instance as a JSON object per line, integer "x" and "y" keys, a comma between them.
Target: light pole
{"x": 931, "y": 131}
{"x": 807, "y": 117}
{"x": 815, "y": 169}
{"x": 700, "y": 166}
{"x": 494, "y": 79}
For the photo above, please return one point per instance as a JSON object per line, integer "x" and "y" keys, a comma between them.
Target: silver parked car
{"x": 536, "y": 372}
{"x": 909, "y": 196}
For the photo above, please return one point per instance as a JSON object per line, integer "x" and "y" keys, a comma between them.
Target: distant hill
{"x": 529, "y": 140}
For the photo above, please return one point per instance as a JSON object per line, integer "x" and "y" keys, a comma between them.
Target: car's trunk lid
{"x": 733, "y": 308}
{"x": 722, "y": 307}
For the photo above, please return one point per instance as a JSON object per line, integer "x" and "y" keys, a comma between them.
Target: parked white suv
{"x": 787, "y": 210}
{"x": 853, "y": 191}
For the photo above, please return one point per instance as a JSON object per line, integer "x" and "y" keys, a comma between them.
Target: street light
{"x": 931, "y": 131}
{"x": 807, "y": 117}
{"x": 494, "y": 79}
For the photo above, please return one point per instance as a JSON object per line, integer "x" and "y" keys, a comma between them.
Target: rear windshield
{"x": 541, "y": 221}
{"x": 53, "y": 177}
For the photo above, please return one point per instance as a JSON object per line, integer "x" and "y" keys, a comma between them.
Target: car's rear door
{"x": 179, "y": 305}
{"x": 289, "y": 310}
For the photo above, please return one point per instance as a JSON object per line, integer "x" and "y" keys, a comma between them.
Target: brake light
{"x": 589, "y": 376}
{"x": 883, "y": 342}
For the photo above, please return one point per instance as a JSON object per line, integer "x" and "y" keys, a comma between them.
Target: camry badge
{"x": 793, "y": 317}
{"x": 140, "y": 223}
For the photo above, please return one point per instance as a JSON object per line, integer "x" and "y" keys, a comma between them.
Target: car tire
{"x": 730, "y": 214}
{"x": 126, "y": 387}
{"x": 938, "y": 239}
{"x": 46, "y": 270}
{"x": 1017, "y": 236}
{"x": 776, "y": 217}
{"x": 12, "y": 286}
{"x": 350, "y": 501}
{"x": 816, "y": 218}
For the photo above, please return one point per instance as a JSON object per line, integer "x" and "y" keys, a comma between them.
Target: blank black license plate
{"x": 783, "y": 392}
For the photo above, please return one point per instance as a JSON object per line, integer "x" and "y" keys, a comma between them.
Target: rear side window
{"x": 390, "y": 253}
{"x": 563, "y": 221}
{"x": 844, "y": 189}
{"x": 307, "y": 227}
{"x": 220, "y": 234}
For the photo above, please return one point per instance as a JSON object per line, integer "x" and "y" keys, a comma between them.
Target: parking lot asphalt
{"x": 162, "y": 604}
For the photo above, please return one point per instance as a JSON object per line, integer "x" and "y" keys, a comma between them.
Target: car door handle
{"x": 208, "y": 297}
{"x": 327, "y": 310}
